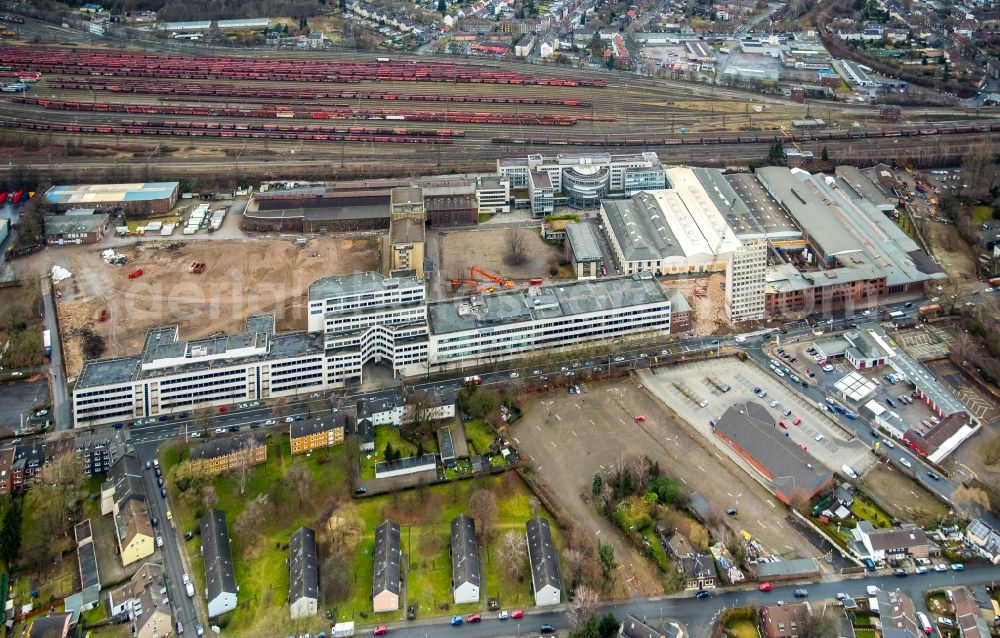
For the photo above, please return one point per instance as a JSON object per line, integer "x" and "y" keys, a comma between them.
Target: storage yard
{"x": 478, "y": 111}
{"x": 487, "y": 249}
{"x": 203, "y": 287}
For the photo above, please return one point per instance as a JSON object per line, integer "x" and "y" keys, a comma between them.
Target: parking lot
{"x": 816, "y": 433}
{"x": 568, "y": 438}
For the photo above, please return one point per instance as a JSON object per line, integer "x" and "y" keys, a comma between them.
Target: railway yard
{"x": 391, "y": 112}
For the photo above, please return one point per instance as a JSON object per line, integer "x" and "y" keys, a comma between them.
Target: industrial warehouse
{"x": 355, "y": 320}
{"x": 130, "y": 199}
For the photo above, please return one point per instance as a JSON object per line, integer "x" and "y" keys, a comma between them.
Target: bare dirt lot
{"x": 902, "y": 496}
{"x": 241, "y": 278}
{"x": 568, "y": 438}
{"x": 489, "y": 249}
{"x": 709, "y": 312}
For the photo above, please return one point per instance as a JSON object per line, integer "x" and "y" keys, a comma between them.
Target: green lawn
{"x": 868, "y": 511}
{"x": 982, "y": 213}
{"x": 480, "y": 436}
{"x": 425, "y": 516}
{"x": 386, "y": 434}
{"x": 743, "y": 629}
{"x": 261, "y": 570}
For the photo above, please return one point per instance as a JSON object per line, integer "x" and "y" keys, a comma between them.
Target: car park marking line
{"x": 701, "y": 468}
{"x": 574, "y": 432}
{"x": 761, "y": 524}
{"x": 558, "y": 418}
{"x": 538, "y": 427}
{"x": 592, "y": 422}
{"x": 780, "y": 525}
{"x": 552, "y": 443}
{"x": 683, "y": 481}
{"x": 577, "y": 405}
{"x": 516, "y": 441}
{"x": 622, "y": 420}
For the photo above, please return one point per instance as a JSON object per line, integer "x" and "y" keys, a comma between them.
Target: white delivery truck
{"x": 343, "y": 630}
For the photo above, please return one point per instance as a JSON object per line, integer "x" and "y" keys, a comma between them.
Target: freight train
{"x": 316, "y": 113}
{"x": 768, "y": 137}
{"x": 326, "y": 135}
{"x": 259, "y": 92}
{"x": 147, "y": 65}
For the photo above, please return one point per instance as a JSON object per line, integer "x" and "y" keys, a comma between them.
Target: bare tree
{"x": 344, "y": 530}
{"x": 583, "y": 605}
{"x": 248, "y": 523}
{"x": 640, "y": 471}
{"x": 209, "y": 497}
{"x": 515, "y": 247}
{"x": 979, "y": 171}
{"x": 246, "y": 458}
{"x": 534, "y": 505}
{"x": 512, "y": 553}
{"x": 483, "y": 508}
{"x": 300, "y": 482}
{"x": 419, "y": 422}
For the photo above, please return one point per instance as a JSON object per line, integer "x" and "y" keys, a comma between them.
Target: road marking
{"x": 730, "y": 494}
{"x": 683, "y": 481}
{"x": 701, "y": 468}
{"x": 558, "y": 418}
{"x": 622, "y": 420}
{"x": 780, "y": 525}
{"x": 592, "y": 422}
{"x": 539, "y": 428}
{"x": 761, "y": 524}
{"x": 577, "y": 405}
{"x": 771, "y": 504}
{"x": 552, "y": 443}
{"x": 597, "y": 532}
{"x": 574, "y": 432}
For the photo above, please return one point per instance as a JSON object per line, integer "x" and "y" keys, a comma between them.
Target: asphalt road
{"x": 183, "y": 607}
{"x": 698, "y": 615}
{"x": 57, "y": 372}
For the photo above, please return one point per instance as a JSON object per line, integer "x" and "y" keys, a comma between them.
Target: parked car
{"x": 899, "y": 573}
{"x": 905, "y": 462}
{"x": 764, "y": 587}
{"x": 702, "y": 593}
{"x": 940, "y": 567}
{"x": 548, "y": 629}
{"x": 381, "y": 630}
{"x": 517, "y": 614}
{"x": 473, "y": 618}
{"x": 957, "y": 567}
{"x": 456, "y": 621}
{"x": 801, "y": 593}
{"x": 503, "y": 615}
{"x": 159, "y": 541}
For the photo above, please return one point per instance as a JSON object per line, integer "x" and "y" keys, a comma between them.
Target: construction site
{"x": 204, "y": 287}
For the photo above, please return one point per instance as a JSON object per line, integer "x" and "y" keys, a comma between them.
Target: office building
{"x": 582, "y": 180}
{"x": 745, "y": 281}
{"x": 492, "y": 195}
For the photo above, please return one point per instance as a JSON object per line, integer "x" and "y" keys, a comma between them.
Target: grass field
{"x": 425, "y": 516}
{"x": 743, "y": 629}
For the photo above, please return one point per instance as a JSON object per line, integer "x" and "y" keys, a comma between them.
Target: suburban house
{"x": 465, "y": 573}
{"x": 893, "y": 542}
{"x": 783, "y": 621}
{"x": 634, "y": 627}
{"x": 985, "y": 538}
{"x": 53, "y": 626}
{"x": 897, "y": 614}
{"x": 364, "y": 428}
{"x": 221, "y": 455}
{"x": 220, "y": 579}
{"x": 303, "y": 574}
{"x": 546, "y": 581}
{"x": 124, "y": 499}
{"x": 699, "y": 571}
{"x": 144, "y": 600}
{"x": 394, "y": 407}
{"x": 386, "y": 556}
{"x": 313, "y": 434}
{"x": 970, "y": 621}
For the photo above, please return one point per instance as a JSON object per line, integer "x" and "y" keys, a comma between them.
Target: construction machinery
{"x": 196, "y": 267}
{"x": 506, "y": 283}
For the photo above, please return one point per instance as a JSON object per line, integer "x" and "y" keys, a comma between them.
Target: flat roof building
{"x": 545, "y": 317}
{"x": 582, "y": 180}
{"x": 584, "y": 250}
{"x": 133, "y": 199}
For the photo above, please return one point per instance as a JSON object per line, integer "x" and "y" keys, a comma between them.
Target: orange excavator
{"x": 477, "y": 284}
{"x": 506, "y": 283}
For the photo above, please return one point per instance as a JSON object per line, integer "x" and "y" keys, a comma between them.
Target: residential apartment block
{"x": 546, "y": 579}
{"x": 386, "y": 556}
{"x": 303, "y": 574}
{"x": 224, "y": 454}
{"x": 313, "y": 434}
